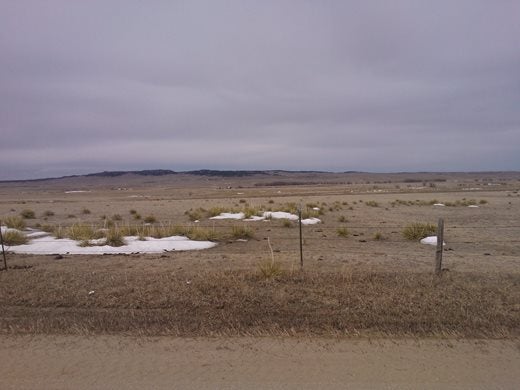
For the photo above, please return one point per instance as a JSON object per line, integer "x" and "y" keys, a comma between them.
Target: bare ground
{"x": 116, "y": 362}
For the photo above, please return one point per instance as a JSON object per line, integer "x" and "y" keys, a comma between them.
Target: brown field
{"x": 367, "y": 310}
{"x": 371, "y": 281}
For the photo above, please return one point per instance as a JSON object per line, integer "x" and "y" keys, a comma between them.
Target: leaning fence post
{"x": 3, "y": 249}
{"x": 438, "y": 252}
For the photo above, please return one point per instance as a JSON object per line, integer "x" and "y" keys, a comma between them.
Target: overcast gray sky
{"x": 381, "y": 86}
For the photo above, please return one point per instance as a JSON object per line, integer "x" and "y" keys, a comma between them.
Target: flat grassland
{"x": 361, "y": 276}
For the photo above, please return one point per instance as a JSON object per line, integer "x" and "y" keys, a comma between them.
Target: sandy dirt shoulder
{"x": 111, "y": 362}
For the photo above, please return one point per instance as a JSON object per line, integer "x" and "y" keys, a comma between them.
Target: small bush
{"x": 417, "y": 231}
{"x": 197, "y": 214}
{"x": 483, "y": 201}
{"x": 378, "y": 236}
{"x": 241, "y": 232}
{"x": 48, "y": 213}
{"x": 14, "y": 222}
{"x": 85, "y": 211}
{"x": 342, "y": 232}
{"x": 242, "y": 201}
{"x": 28, "y": 214}
{"x": 150, "y": 219}
{"x": 133, "y": 212}
{"x": 137, "y": 216}
{"x": 71, "y": 216}
{"x": 270, "y": 269}
{"x": 371, "y": 203}
{"x": 287, "y": 223}
{"x": 115, "y": 237}
{"x": 342, "y": 219}
{"x": 270, "y": 201}
{"x": 80, "y": 232}
{"x": 13, "y": 237}
{"x": 117, "y": 217}
{"x": 201, "y": 234}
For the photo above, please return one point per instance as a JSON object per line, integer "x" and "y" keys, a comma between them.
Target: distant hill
{"x": 148, "y": 172}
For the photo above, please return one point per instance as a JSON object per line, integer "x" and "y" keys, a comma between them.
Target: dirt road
{"x": 113, "y": 362}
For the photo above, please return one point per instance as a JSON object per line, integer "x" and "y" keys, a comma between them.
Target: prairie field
{"x": 361, "y": 275}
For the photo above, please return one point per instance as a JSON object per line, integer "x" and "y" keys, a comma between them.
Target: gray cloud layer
{"x": 346, "y": 85}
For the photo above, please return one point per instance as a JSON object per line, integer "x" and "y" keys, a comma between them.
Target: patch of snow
{"x": 279, "y": 215}
{"x": 229, "y": 216}
{"x": 254, "y": 218}
{"x": 316, "y": 208}
{"x": 76, "y": 191}
{"x": 473, "y": 206}
{"x": 51, "y": 245}
{"x": 439, "y": 204}
{"x": 431, "y": 240}
{"x": 310, "y": 221}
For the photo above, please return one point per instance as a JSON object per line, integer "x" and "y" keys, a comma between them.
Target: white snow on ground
{"x": 310, "y": 221}
{"x": 267, "y": 215}
{"x": 473, "y": 206}
{"x": 75, "y": 191}
{"x": 50, "y": 245}
{"x": 432, "y": 240}
{"x": 229, "y": 216}
{"x": 280, "y": 215}
{"x": 439, "y": 204}
{"x": 316, "y": 208}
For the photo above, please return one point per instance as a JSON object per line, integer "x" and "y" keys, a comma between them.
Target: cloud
{"x": 406, "y": 85}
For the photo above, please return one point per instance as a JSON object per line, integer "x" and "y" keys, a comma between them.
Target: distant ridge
{"x": 147, "y": 172}
{"x": 164, "y": 172}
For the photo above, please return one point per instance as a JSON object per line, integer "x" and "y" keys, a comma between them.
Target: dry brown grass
{"x": 352, "y": 302}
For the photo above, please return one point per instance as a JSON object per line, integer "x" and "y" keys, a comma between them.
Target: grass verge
{"x": 355, "y": 303}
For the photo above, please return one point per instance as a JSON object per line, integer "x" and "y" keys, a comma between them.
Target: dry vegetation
{"x": 365, "y": 273}
{"x": 351, "y": 302}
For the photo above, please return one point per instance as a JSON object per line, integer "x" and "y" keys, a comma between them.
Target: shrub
{"x": 28, "y": 214}
{"x": 483, "y": 201}
{"x": 372, "y": 203}
{"x": 85, "y": 211}
{"x": 14, "y": 237}
{"x": 378, "y": 236}
{"x": 48, "y": 213}
{"x": 417, "y": 231}
{"x": 137, "y": 216}
{"x": 14, "y": 222}
{"x": 133, "y": 212}
{"x": 150, "y": 219}
{"x": 197, "y": 214}
{"x": 117, "y": 217}
{"x": 342, "y": 232}
{"x": 71, "y": 216}
{"x": 81, "y": 232}
{"x": 270, "y": 269}
{"x": 201, "y": 234}
{"x": 342, "y": 218}
{"x": 287, "y": 223}
{"x": 241, "y": 232}
{"x": 115, "y": 237}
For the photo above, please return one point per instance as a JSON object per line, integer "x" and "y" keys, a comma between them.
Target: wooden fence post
{"x": 3, "y": 249}
{"x": 301, "y": 239}
{"x": 440, "y": 242}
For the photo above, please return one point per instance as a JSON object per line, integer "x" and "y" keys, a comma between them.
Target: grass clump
{"x": 342, "y": 219}
{"x": 81, "y": 232}
{"x": 85, "y": 211}
{"x": 14, "y": 222}
{"x": 115, "y": 237}
{"x": 287, "y": 223}
{"x": 342, "y": 232}
{"x": 197, "y": 214}
{"x": 417, "y": 231}
{"x": 201, "y": 234}
{"x": 378, "y": 236}
{"x": 48, "y": 213}
{"x": 13, "y": 237}
{"x": 133, "y": 211}
{"x": 242, "y": 232}
{"x": 150, "y": 219}
{"x": 371, "y": 203}
{"x": 28, "y": 214}
{"x": 117, "y": 217}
